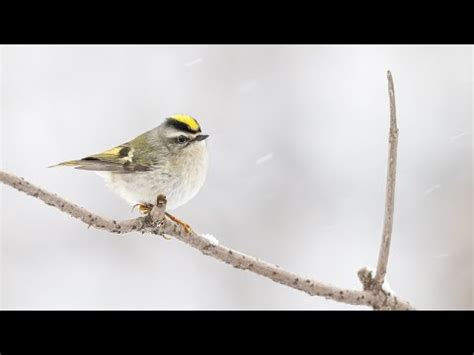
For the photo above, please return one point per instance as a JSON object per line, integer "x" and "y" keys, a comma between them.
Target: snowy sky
{"x": 298, "y": 146}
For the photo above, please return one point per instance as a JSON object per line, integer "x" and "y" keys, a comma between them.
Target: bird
{"x": 171, "y": 159}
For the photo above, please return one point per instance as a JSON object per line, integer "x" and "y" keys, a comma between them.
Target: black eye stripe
{"x": 180, "y": 126}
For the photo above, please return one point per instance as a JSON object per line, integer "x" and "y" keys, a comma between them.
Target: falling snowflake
{"x": 460, "y": 135}
{"x": 432, "y": 189}
{"x": 264, "y": 159}
{"x": 193, "y": 62}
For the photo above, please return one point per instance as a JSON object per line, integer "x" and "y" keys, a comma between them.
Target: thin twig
{"x": 390, "y": 188}
{"x": 155, "y": 223}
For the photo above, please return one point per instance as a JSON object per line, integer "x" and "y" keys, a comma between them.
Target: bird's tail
{"x": 93, "y": 164}
{"x": 68, "y": 163}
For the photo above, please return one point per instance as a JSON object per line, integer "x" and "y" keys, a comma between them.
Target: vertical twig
{"x": 390, "y": 189}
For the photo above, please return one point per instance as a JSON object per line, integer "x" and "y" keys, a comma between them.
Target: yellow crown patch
{"x": 189, "y": 121}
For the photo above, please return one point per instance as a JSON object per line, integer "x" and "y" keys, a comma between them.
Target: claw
{"x": 187, "y": 228}
{"x": 143, "y": 208}
{"x": 165, "y": 237}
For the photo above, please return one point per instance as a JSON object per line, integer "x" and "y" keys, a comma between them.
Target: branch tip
{"x": 390, "y": 188}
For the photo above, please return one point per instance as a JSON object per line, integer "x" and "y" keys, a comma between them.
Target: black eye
{"x": 182, "y": 139}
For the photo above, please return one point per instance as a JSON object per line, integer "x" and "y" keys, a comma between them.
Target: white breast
{"x": 180, "y": 181}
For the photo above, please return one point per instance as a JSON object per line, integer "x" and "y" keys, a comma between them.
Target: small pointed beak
{"x": 201, "y": 137}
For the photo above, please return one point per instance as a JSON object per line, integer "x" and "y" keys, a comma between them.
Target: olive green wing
{"x": 122, "y": 159}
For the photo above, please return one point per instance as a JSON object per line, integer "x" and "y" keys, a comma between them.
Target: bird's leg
{"x": 187, "y": 227}
{"x": 145, "y": 208}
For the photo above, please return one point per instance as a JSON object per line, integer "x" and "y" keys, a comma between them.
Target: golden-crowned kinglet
{"x": 170, "y": 159}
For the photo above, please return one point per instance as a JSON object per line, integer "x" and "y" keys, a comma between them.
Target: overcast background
{"x": 298, "y": 150}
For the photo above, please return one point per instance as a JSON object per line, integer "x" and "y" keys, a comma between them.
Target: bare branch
{"x": 156, "y": 223}
{"x": 372, "y": 295}
{"x": 390, "y": 188}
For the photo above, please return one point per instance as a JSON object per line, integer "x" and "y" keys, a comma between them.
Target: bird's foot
{"x": 144, "y": 208}
{"x": 187, "y": 228}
